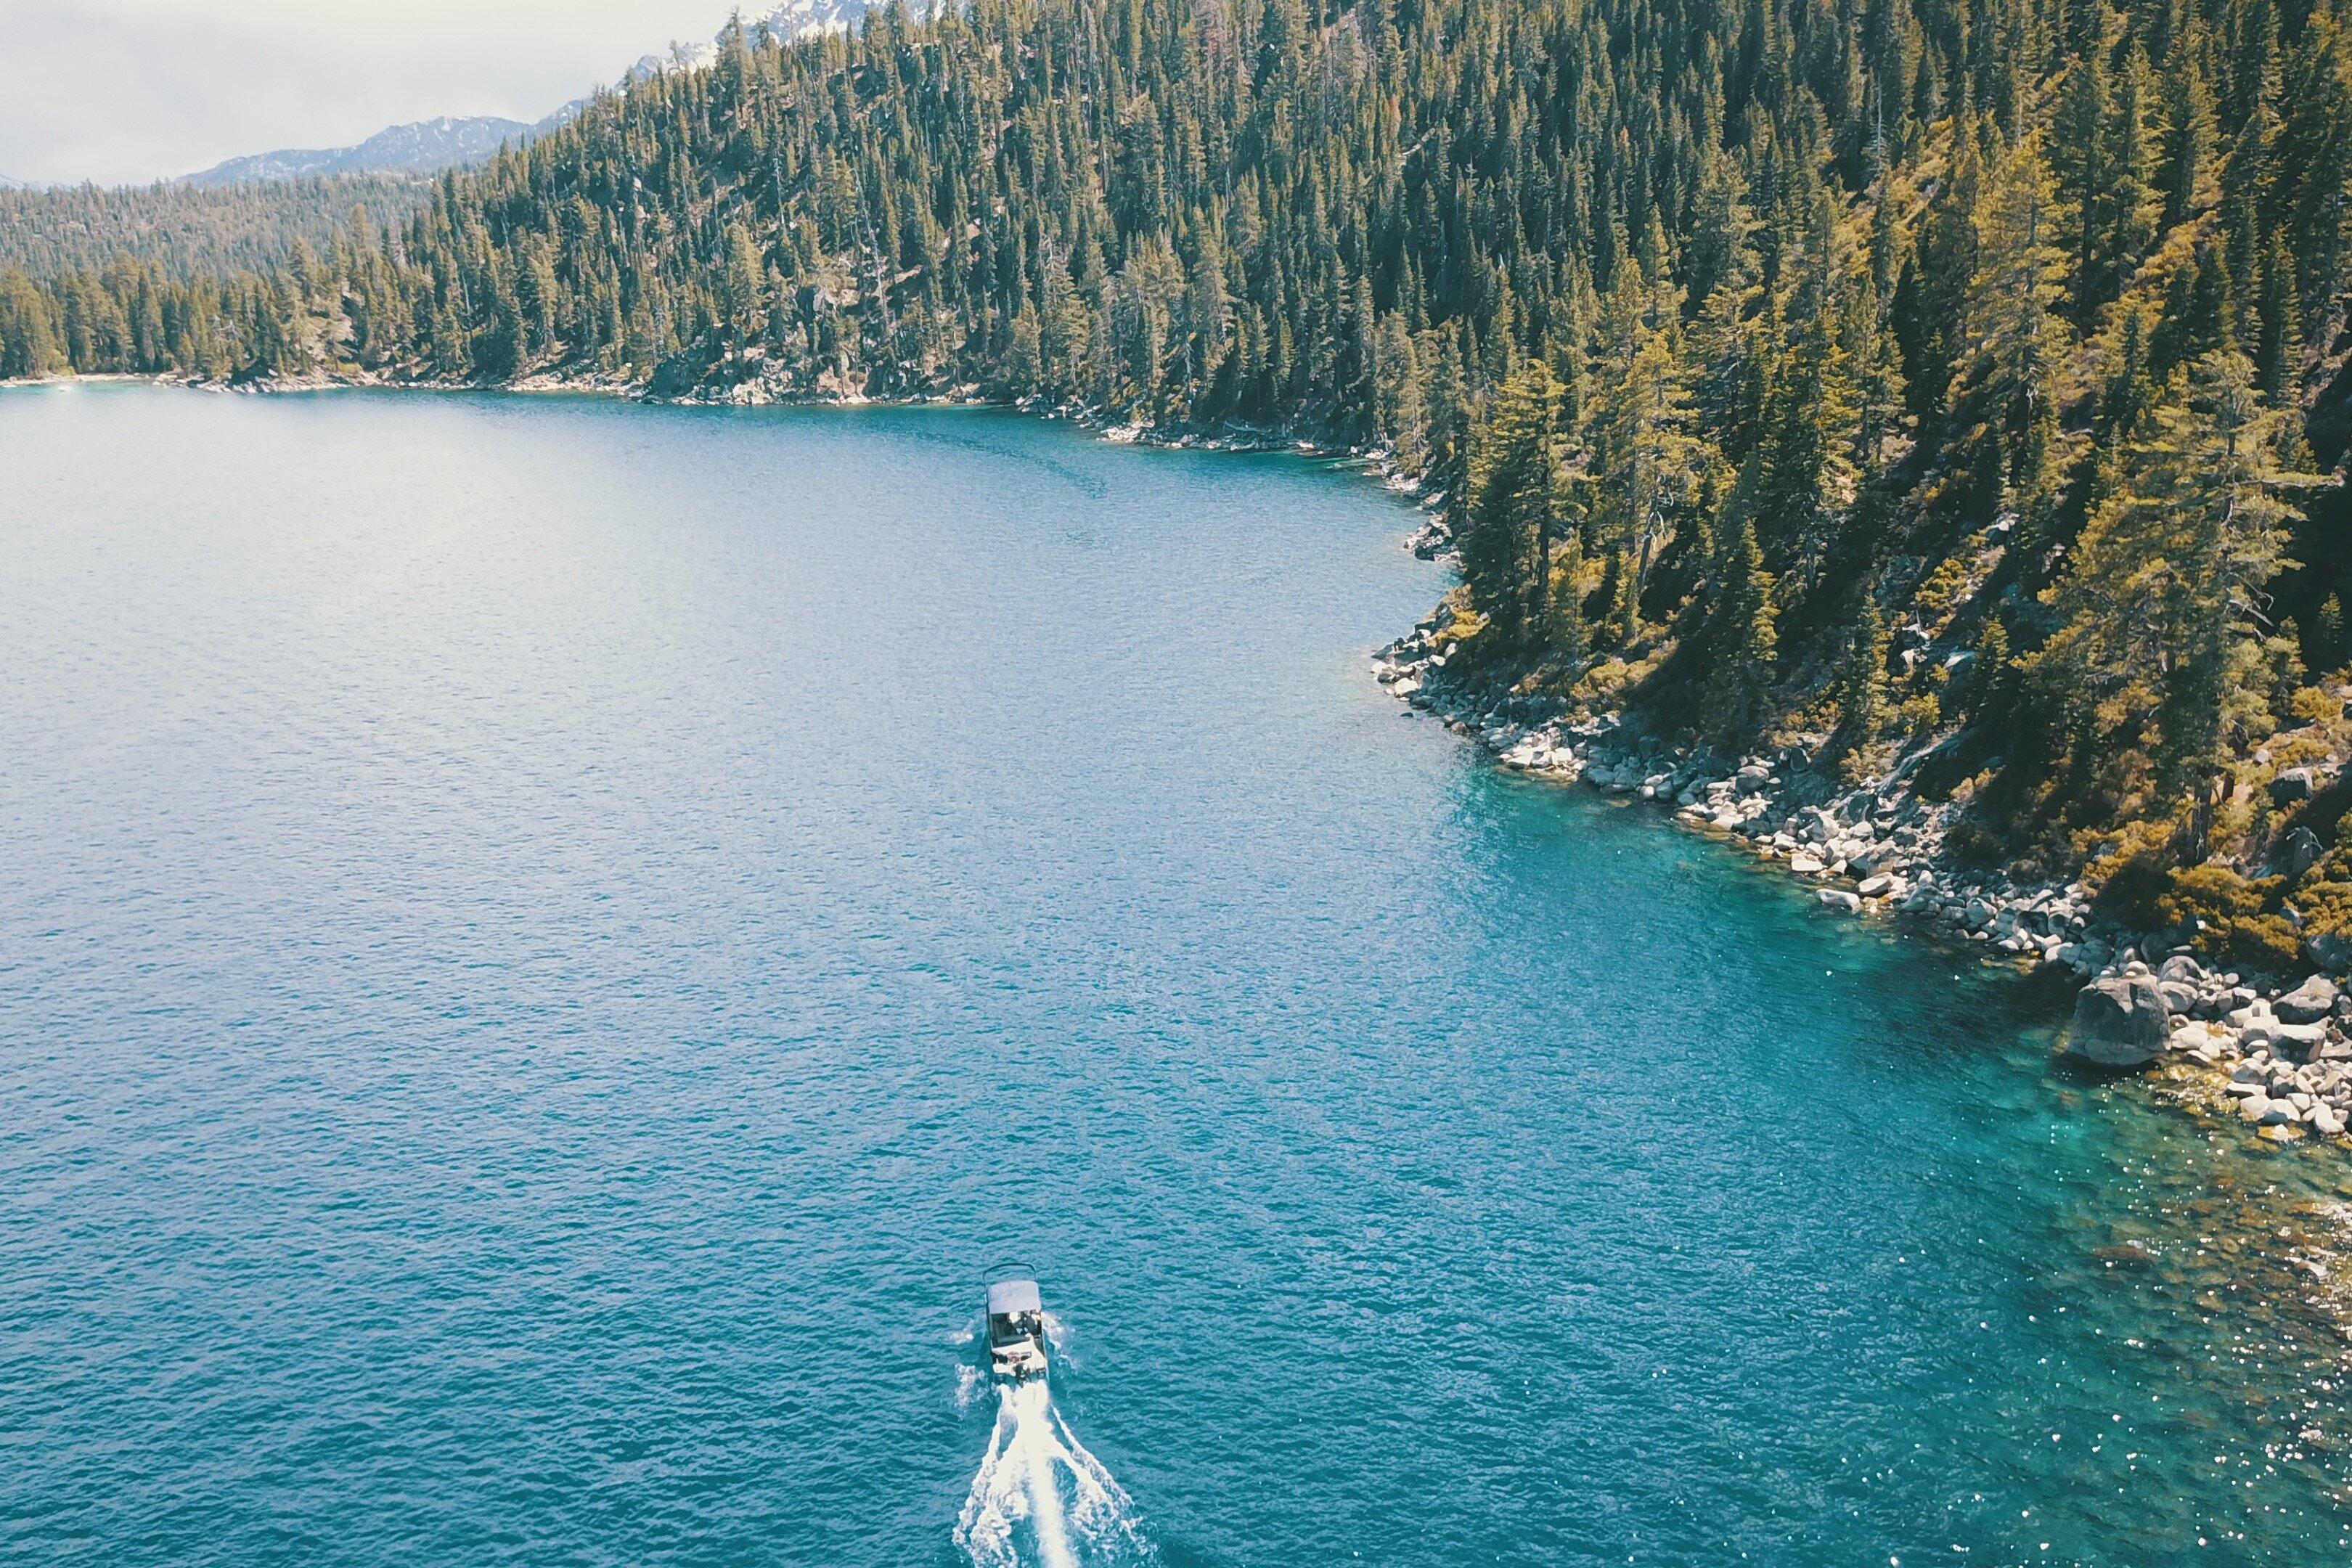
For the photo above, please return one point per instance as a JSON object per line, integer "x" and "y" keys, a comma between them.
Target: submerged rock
{"x": 2119, "y": 1022}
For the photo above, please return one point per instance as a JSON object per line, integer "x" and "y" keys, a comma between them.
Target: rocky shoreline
{"x": 2279, "y": 1059}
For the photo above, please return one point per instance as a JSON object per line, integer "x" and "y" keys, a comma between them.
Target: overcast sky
{"x": 116, "y": 90}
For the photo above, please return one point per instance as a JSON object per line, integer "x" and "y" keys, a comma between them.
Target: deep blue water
{"x": 545, "y": 945}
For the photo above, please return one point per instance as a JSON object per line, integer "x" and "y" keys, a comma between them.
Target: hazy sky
{"x": 117, "y": 90}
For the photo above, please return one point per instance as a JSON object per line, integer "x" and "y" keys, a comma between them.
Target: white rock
{"x": 1838, "y": 898}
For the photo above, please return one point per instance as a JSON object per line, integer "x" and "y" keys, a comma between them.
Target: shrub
{"x": 2235, "y": 917}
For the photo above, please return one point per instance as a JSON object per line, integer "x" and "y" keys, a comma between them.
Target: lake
{"x": 548, "y": 946}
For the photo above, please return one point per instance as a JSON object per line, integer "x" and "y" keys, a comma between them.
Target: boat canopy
{"x": 1007, "y": 1297}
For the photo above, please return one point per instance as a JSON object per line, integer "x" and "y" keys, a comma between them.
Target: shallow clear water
{"x": 545, "y": 945}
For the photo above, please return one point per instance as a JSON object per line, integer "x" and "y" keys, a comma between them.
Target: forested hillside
{"x": 189, "y": 232}
{"x": 1956, "y": 382}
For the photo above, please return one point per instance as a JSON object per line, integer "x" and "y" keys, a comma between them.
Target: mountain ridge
{"x": 420, "y": 147}
{"x": 451, "y": 142}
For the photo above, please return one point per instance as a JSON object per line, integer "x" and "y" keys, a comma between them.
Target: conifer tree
{"x": 1514, "y": 515}
{"x": 1741, "y": 637}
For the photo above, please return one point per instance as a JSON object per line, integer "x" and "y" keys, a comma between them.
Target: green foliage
{"x": 2235, "y": 919}
{"x": 187, "y": 232}
{"x": 1860, "y": 687}
{"x": 1516, "y": 508}
{"x": 1739, "y": 640}
{"x": 1695, "y": 317}
{"x": 2156, "y": 673}
{"x": 2324, "y": 894}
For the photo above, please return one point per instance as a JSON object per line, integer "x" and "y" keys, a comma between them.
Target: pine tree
{"x": 1514, "y": 514}
{"x": 2159, "y": 609}
{"x": 1741, "y": 639}
{"x": 1647, "y": 458}
{"x": 2007, "y": 385}
{"x": 1860, "y": 686}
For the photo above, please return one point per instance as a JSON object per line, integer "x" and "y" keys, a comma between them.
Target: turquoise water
{"x": 546, "y": 945}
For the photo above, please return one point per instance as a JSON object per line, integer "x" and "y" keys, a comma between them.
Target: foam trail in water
{"x": 1038, "y": 1486}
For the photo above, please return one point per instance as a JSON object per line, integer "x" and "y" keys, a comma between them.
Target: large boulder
{"x": 2181, "y": 967}
{"x": 2296, "y": 853}
{"x": 2292, "y": 786}
{"x": 2307, "y": 1002}
{"x": 2298, "y": 1040}
{"x": 2119, "y": 1022}
{"x": 2330, "y": 950}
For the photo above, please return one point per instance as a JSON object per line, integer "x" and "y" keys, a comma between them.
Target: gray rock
{"x": 1839, "y": 899}
{"x": 2294, "y": 1039}
{"x": 2181, "y": 967}
{"x": 2308, "y": 1002}
{"x": 2290, "y": 786}
{"x": 2297, "y": 852}
{"x": 2330, "y": 952}
{"x": 2306, "y": 1039}
{"x": 2119, "y": 1023}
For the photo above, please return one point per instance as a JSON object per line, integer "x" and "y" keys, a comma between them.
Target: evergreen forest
{"x": 1950, "y": 387}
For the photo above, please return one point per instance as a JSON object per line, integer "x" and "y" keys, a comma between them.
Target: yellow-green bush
{"x": 2235, "y": 917}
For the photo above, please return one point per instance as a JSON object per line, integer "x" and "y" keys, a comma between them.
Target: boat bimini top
{"x": 1016, "y": 1329}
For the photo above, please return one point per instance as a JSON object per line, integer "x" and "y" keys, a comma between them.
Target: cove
{"x": 547, "y": 943}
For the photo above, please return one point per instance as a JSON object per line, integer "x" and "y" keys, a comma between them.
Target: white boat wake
{"x": 1040, "y": 1497}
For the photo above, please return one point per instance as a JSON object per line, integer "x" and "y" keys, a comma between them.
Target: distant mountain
{"x": 429, "y": 146}
{"x": 420, "y": 148}
{"x": 793, "y": 18}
